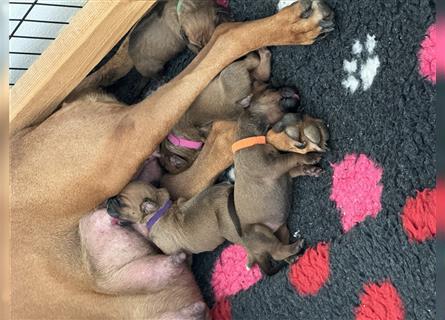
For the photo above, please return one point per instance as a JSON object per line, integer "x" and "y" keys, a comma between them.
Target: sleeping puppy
{"x": 263, "y": 184}
{"x": 223, "y": 99}
{"x": 197, "y": 225}
{"x": 167, "y": 30}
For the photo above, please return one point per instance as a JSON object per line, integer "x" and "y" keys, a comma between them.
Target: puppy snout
{"x": 289, "y": 99}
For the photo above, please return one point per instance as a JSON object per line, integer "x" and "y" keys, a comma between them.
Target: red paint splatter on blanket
{"x": 311, "y": 271}
{"x": 380, "y": 302}
{"x": 427, "y": 54}
{"x": 222, "y": 310}
{"x": 230, "y": 274}
{"x": 419, "y": 215}
{"x": 356, "y": 189}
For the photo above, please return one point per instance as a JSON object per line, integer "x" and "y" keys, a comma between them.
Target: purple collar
{"x": 158, "y": 214}
{"x": 184, "y": 143}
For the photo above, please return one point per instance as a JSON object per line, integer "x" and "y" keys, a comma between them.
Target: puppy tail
{"x": 232, "y": 213}
{"x": 117, "y": 67}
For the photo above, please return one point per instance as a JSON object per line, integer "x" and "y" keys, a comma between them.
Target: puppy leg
{"x": 262, "y": 72}
{"x": 283, "y": 234}
{"x": 261, "y": 245}
{"x": 215, "y": 157}
{"x": 282, "y": 163}
{"x": 305, "y": 170}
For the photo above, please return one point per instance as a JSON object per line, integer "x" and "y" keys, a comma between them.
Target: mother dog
{"x": 89, "y": 150}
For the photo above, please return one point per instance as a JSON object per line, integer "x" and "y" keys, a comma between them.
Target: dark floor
{"x": 392, "y": 123}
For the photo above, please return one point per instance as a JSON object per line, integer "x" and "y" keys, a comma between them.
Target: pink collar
{"x": 185, "y": 143}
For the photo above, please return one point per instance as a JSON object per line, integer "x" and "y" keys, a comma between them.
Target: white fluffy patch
{"x": 370, "y": 44}
{"x": 351, "y": 83}
{"x": 362, "y": 69}
{"x": 350, "y": 66}
{"x": 368, "y": 71}
{"x": 357, "y": 48}
{"x": 284, "y": 3}
{"x": 231, "y": 174}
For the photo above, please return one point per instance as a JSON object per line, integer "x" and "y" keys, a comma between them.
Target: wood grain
{"x": 91, "y": 34}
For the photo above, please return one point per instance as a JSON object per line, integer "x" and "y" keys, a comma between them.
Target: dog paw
{"x": 264, "y": 53}
{"x": 313, "y": 19}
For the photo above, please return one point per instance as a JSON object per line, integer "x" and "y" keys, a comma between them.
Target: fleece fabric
{"x": 373, "y": 83}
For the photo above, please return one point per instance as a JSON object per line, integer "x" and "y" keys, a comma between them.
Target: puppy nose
{"x": 289, "y": 99}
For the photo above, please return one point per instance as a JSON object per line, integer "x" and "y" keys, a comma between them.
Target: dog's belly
{"x": 109, "y": 244}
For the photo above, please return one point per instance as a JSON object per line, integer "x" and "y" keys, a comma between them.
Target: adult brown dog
{"x": 89, "y": 150}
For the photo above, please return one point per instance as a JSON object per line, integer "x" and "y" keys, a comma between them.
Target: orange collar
{"x": 248, "y": 142}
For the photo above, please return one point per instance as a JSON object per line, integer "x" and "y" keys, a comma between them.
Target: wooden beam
{"x": 91, "y": 34}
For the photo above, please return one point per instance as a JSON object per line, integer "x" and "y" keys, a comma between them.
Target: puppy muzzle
{"x": 290, "y": 100}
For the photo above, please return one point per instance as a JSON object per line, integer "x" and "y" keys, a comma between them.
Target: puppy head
{"x": 136, "y": 203}
{"x": 273, "y": 103}
{"x": 198, "y": 20}
{"x": 299, "y": 134}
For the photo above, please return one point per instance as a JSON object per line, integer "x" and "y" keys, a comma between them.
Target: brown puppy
{"x": 294, "y": 133}
{"x": 88, "y": 151}
{"x": 194, "y": 226}
{"x": 167, "y": 30}
{"x": 262, "y": 185}
{"x": 223, "y": 99}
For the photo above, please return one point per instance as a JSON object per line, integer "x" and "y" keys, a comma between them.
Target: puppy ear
{"x": 246, "y": 101}
{"x": 148, "y": 206}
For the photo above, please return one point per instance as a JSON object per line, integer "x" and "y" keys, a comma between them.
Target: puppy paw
{"x": 178, "y": 259}
{"x": 195, "y": 311}
{"x": 312, "y": 171}
{"x": 312, "y": 158}
{"x": 297, "y": 246}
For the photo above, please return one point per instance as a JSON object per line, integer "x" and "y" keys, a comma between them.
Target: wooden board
{"x": 91, "y": 34}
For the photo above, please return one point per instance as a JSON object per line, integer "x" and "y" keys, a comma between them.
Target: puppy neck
{"x": 158, "y": 214}
{"x": 250, "y": 125}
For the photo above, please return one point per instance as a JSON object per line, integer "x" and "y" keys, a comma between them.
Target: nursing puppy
{"x": 197, "y": 225}
{"x": 223, "y": 99}
{"x": 167, "y": 30}
{"x": 263, "y": 184}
